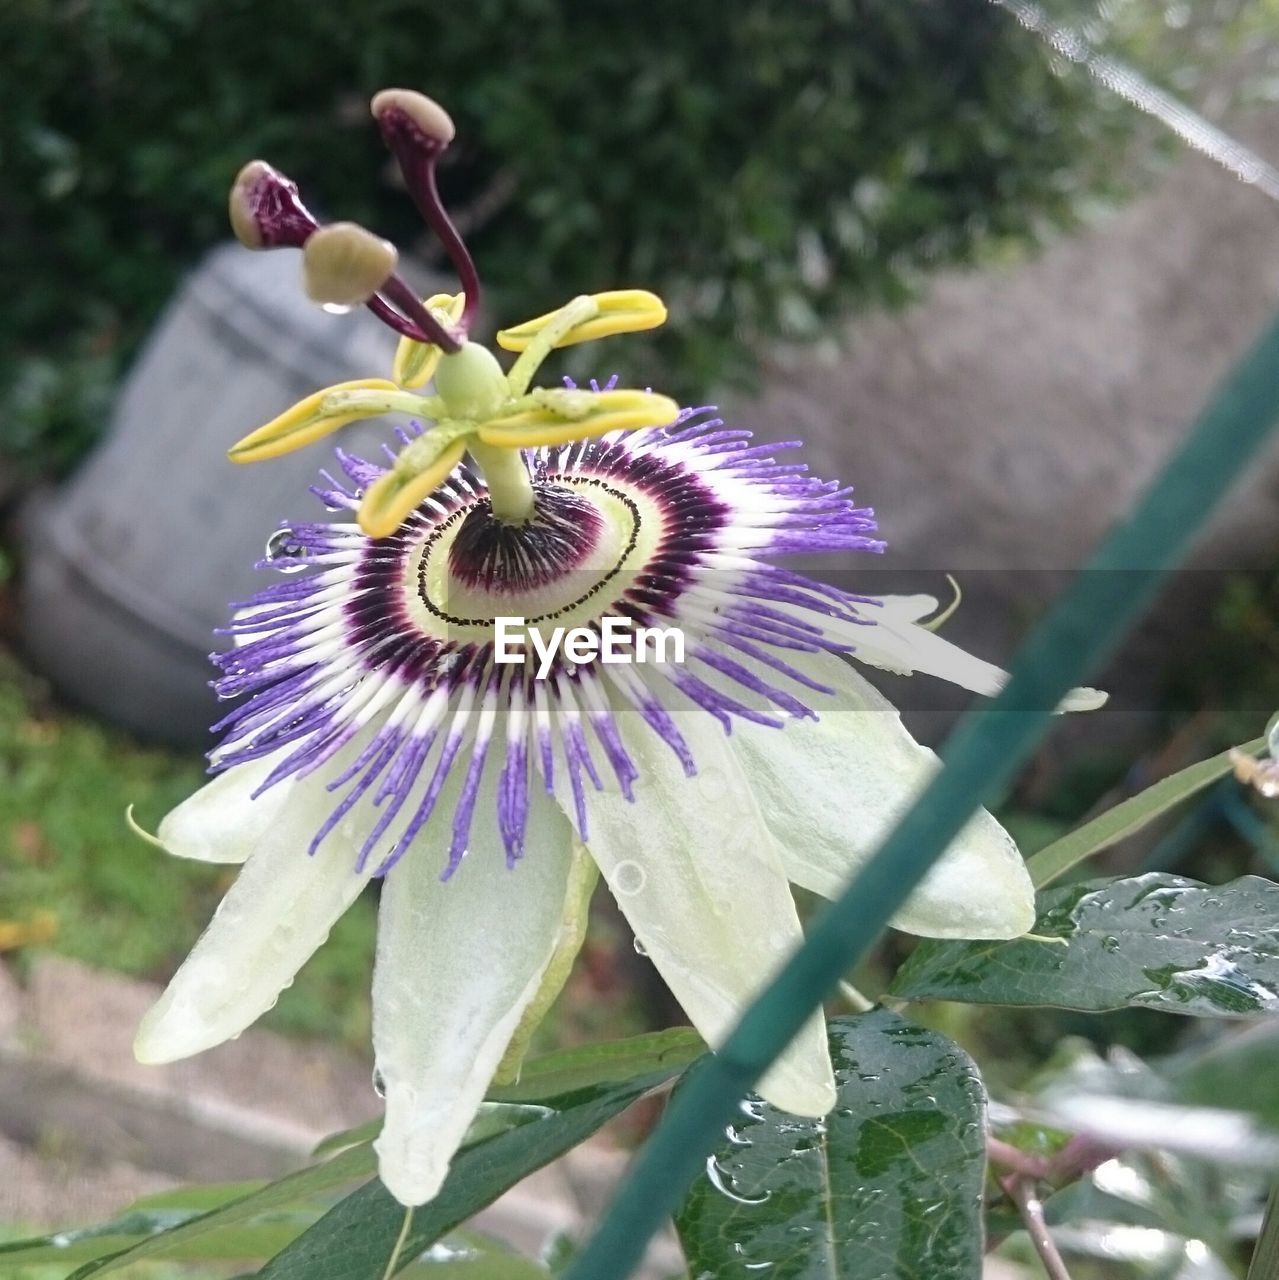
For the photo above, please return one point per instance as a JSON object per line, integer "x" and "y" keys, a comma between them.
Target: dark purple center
{"x": 559, "y": 537}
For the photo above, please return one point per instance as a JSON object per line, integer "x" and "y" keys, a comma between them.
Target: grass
{"x": 116, "y": 902}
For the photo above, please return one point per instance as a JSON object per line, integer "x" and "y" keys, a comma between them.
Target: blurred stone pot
{"x": 130, "y": 567}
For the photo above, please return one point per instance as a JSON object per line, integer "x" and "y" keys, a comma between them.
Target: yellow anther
{"x": 392, "y": 498}
{"x": 620, "y": 311}
{"x": 308, "y": 420}
{"x": 345, "y": 265}
{"x": 414, "y": 363}
{"x": 561, "y": 416}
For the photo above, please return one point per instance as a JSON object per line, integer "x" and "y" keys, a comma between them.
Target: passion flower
{"x": 385, "y": 726}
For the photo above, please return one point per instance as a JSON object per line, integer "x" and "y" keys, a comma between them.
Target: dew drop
{"x": 282, "y": 545}
{"x": 1110, "y": 944}
{"x": 640, "y": 948}
{"x": 379, "y": 1084}
{"x": 722, "y": 1181}
{"x": 629, "y": 878}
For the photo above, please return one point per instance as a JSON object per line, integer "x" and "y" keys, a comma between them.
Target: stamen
{"x": 417, "y": 130}
{"x": 344, "y": 265}
{"x": 266, "y": 211}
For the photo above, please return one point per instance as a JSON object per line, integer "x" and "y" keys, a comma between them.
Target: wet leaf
{"x": 354, "y": 1240}
{"x": 887, "y": 1186}
{"x": 1154, "y": 941}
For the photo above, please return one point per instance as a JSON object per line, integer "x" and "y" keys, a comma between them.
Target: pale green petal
{"x": 832, "y": 789}
{"x": 583, "y": 876}
{"x": 458, "y": 963}
{"x": 279, "y": 910}
{"x": 220, "y": 822}
{"x": 696, "y": 873}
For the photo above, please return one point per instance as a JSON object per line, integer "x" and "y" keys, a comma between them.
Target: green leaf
{"x": 467, "y": 1255}
{"x": 198, "y": 1196}
{"x": 88, "y": 1242}
{"x": 492, "y": 1118}
{"x": 888, "y": 1185}
{"x": 208, "y": 1234}
{"x": 1238, "y": 1071}
{"x": 354, "y": 1240}
{"x": 349, "y": 1166}
{"x": 554, "y": 1074}
{"x": 1153, "y": 941}
{"x": 255, "y": 1239}
{"x": 1131, "y": 815}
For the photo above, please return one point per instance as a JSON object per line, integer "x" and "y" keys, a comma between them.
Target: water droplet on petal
{"x": 379, "y": 1084}
{"x": 283, "y": 545}
{"x": 640, "y": 948}
{"x": 629, "y": 878}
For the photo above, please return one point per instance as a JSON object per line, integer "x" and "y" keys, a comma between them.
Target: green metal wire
{"x": 981, "y": 758}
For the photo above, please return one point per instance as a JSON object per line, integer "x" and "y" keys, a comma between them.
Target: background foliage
{"x": 763, "y": 185}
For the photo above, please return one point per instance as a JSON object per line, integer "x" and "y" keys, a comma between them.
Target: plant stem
{"x": 393, "y": 1262}
{"x": 507, "y": 478}
{"x": 1021, "y": 1191}
{"x": 1024, "y": 1163}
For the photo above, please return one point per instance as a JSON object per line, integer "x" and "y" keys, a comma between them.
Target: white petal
{"x": 901, "y": 646}
{"x": 279, "y": 910}
{"x": 906, "y": 608}
{"x": 220, "y": 823}
{"x": 832, "y": 789}
{"x": 458, "y": 962}
{"x": 696, "y": 873}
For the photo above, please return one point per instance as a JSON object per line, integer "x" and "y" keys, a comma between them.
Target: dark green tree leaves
{"x": 888, "y": 1185}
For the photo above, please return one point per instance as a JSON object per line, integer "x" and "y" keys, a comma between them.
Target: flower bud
{"x": 345, "y": 265}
